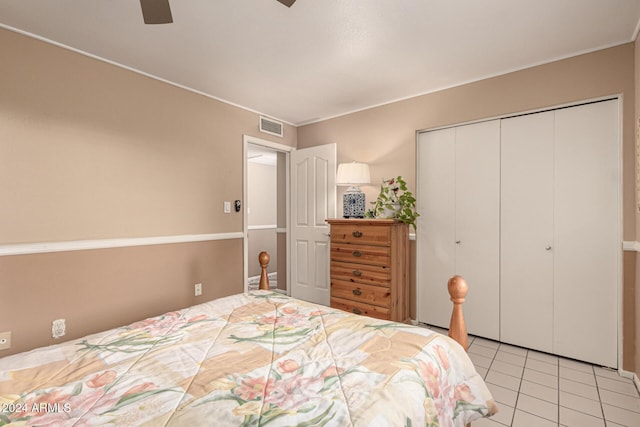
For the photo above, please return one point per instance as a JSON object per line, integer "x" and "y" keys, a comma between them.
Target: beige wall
{"x": 99, "y": 289}
{"x": 385, "y": 136}
{"x": 89, "y": 150}
{"x": 95, "y": 151}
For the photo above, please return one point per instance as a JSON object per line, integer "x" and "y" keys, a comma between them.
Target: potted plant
{"x": 395, "y": 201}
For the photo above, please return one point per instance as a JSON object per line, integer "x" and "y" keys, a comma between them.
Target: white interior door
{"x": 588, "y": 239}
{"x": 313, "y": 201}
{"x": 436, "y": 226}
{"x": 477, "y": 219}
{"x": 526, "y": 263}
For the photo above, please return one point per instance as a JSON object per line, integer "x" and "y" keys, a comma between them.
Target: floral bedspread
{"x": 253, "y": 359}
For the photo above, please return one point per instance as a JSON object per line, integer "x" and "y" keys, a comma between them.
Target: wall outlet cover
{"x": 58, "y": 328}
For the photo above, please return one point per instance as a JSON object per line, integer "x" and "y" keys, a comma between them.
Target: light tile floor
{"x": 535, "y": 389}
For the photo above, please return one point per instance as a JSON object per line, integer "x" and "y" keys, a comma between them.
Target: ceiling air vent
{"x": 271, "y": 127}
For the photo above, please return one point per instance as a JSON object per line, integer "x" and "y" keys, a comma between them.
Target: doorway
{"x": 265, "y": 219}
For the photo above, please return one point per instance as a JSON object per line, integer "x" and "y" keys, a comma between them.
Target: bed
{"x": 258, "y": 358}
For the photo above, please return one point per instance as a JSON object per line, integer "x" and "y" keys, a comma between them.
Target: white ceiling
{"x": 325, "y": 58}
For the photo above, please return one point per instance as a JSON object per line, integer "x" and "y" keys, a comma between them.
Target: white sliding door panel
{"x": 526, "y": 263}
{"x": 477, "y": 223}
{"x": 436, "y": 230}
{"x": 587, "y": 242}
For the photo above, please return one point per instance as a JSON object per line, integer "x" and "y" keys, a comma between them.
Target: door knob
{"x": 548, "y": 248}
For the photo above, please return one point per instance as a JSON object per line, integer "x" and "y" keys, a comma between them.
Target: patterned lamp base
{"x": 353, "y": 204}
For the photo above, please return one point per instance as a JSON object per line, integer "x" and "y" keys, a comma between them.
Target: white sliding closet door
{"x": 527, "y": 244}
{"x": 436, "y": 225}
{"x": 458, "y": 230}
{"x": 560, "y": 238}
{"x": 527, "y": 210}
{"x": 477, "y": 220}
{"x": 587, "y": 239}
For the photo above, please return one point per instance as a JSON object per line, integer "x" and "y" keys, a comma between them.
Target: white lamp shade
{"x": 353, "y": 174}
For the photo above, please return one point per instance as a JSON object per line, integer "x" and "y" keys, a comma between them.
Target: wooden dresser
{"x": 370, "y": 267}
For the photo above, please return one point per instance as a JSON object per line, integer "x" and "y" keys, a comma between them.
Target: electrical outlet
{"x": 58, "y": 328}
{"x": 5, "y": 340}
{"x": 198, "y": 289}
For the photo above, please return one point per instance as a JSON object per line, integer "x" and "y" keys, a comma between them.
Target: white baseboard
{"x": 630, "y": 375}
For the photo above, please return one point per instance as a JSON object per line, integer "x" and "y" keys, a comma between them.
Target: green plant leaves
{"x": 395, "y": 196}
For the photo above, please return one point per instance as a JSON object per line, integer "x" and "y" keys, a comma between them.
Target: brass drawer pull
{"x": 357, "y": 233}
{"x": 357, "y": 273}
{"x": 357, "y": 292}
{"x": 357, "y": 254}
{"x": 356, "y": 311}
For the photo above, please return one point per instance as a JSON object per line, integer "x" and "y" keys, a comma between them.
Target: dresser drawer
{"x": 374, "y": 255}
{"x": 361, "y": 273}
{"x": 360, "y": 234}
{"x": 361, "y": 308}
{"x": 358, "y": 292}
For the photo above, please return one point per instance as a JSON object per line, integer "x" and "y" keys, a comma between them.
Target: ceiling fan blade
{"x": 156, "y": 11}
{"x": 287, "y": 3}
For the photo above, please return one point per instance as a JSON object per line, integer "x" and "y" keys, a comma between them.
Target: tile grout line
{"x": 515, "y": 405}
{"x": 558, "y": 370}
{"x": 595, "y": 377}
{"x": 526, "y": 357}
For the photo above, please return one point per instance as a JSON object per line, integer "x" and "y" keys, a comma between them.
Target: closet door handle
{"x": 458, "y": 242}
{"x": 548, "y": 248}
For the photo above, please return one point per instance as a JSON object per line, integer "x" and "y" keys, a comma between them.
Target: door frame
{"x": 286, "y": 149}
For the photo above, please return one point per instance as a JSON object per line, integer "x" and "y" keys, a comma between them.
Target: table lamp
{"x": 353, "y": 174}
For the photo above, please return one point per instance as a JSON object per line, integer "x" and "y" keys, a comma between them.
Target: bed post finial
{"x": 263, "y": 259}
{"x": 457, "y": 328}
